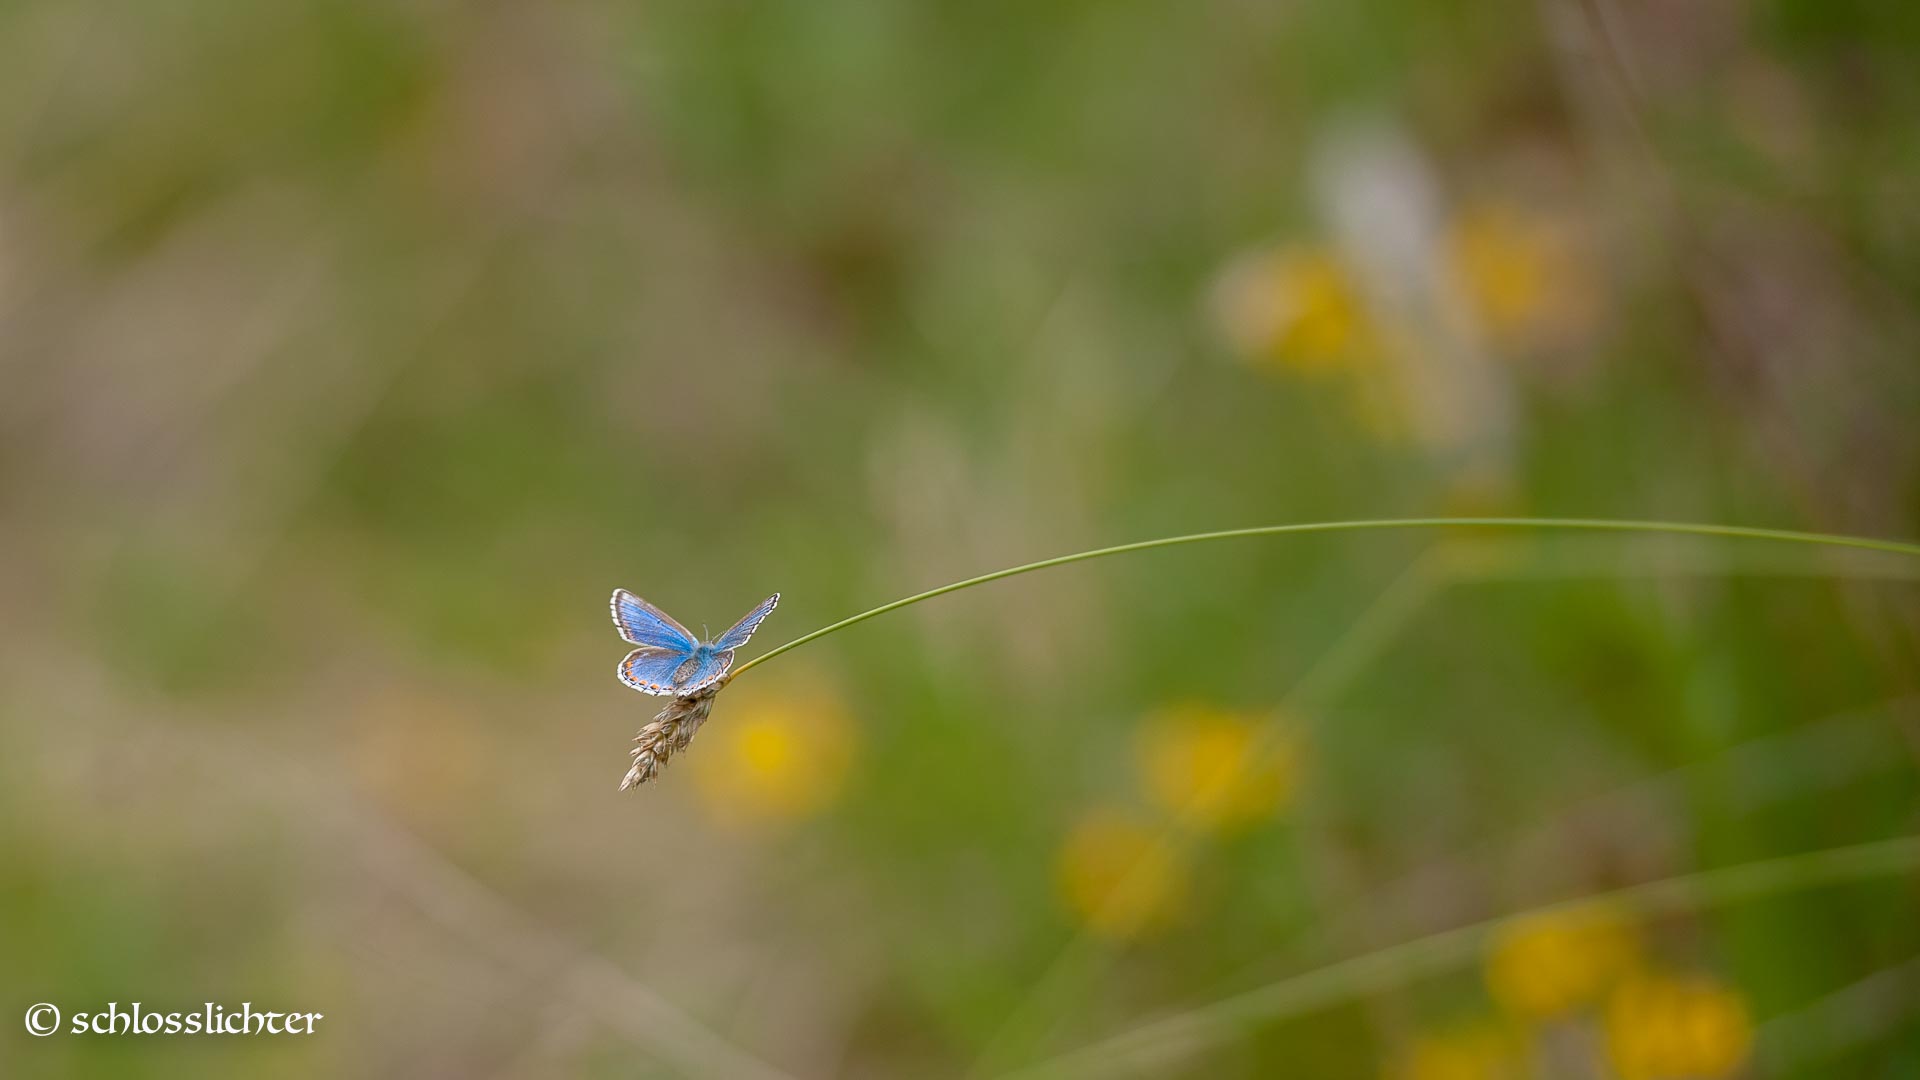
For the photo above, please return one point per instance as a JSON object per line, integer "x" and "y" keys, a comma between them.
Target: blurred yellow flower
{"x": 1216, "y": 768}
{"x": 1528, "y": 281}
{"x": 1544, "y": 966}
{"x": 773, "y": 754}
{"x": 1120, "y": 876}
{"x": 1293, "y": 307}
{"x": 1477, "y": 1051}
{"x": 1660, "y": 1025}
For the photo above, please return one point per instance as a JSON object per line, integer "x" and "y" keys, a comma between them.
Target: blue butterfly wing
{"x": 742, "y": 630}
{"x": 650, "y": 669}
{"x": 706, "y": 667}
{"x": 643, "y": 624}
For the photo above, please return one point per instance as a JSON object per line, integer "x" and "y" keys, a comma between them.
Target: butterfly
{"x": 670, "y": 660}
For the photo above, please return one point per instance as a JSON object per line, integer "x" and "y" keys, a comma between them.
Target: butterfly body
{"x": 669, "y": 659}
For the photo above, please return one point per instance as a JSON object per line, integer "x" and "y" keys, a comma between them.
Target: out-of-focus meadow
{"x": 351, "y": 352}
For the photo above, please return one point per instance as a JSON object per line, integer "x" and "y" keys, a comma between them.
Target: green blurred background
{"x": 353, "y": 351}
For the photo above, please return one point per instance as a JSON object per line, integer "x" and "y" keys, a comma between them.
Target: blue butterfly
{"x": 670, "y": 660}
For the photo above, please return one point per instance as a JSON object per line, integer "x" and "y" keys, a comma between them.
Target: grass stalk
{"x": 1155, "y": 1044}
{"x": 1679, "y": 528}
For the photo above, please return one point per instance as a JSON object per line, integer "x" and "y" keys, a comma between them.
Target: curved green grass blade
{"x": 1738, "y": 532}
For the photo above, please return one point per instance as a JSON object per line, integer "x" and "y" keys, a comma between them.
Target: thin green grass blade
{"x": 1737, "y": 532}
